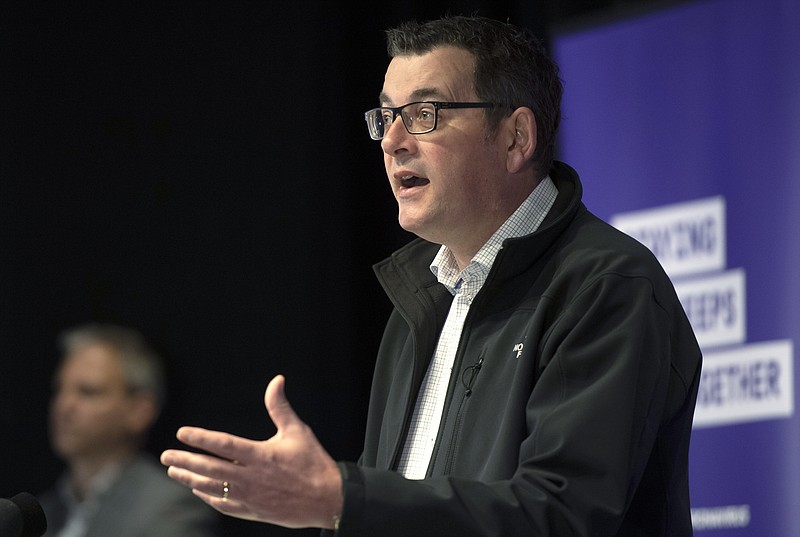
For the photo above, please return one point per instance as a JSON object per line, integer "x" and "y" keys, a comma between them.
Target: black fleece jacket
{"x": 570, "y": 404}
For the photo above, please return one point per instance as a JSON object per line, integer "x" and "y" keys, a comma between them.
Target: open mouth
{"x": 410, "y": 181}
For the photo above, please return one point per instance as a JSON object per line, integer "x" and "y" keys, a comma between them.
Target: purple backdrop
{"x": 684, "y": 124}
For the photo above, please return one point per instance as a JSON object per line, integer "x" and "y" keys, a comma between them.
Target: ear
{"x": 142, "y": 413}
{"x": 519, "y": 131}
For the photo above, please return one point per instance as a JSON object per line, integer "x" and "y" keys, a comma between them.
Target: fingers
{"x": 226, "y": 506}
{"x": 204, "y": 482}
{"x": 200, "y": 465}
{"x": 275, "y": 480}
{"x": 280, "y": 411}
{"x": 224, "y": 496}
{"x": 195, "y": 481}
{"x": 225, "y": 445}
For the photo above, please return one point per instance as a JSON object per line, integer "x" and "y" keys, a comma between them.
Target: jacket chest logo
{"x": 518, "y": 349}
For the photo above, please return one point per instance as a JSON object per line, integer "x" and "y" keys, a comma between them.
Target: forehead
{"x": 94, "y": 363}
{"x": 445, "y": 73}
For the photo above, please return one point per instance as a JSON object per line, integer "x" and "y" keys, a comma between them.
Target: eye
{"x": 386, "y": 117}
{"x": 91, "y": 391}
{"x": 425, "y": 114}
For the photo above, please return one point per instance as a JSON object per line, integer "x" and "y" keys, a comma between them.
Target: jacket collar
{"x": 407, "y": 270}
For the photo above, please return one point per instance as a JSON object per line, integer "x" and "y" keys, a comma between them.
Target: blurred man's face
{"x": 91, "y": 410}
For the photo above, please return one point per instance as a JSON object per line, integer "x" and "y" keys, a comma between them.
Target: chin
{"x": 423, "y": 229}
{"x": 415, "y": 224}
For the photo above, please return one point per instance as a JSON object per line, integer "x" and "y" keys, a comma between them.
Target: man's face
{"x": 91, "y": 409}
{"x": 445, "y": 182}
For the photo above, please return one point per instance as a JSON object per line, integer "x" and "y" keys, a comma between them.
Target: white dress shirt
{"x": 464, "y": 285}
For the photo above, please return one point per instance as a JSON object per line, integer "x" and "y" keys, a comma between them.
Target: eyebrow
{"x": 420, "y": 94}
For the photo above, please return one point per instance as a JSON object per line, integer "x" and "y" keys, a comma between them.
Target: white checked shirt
{"x": 464, "y": 285}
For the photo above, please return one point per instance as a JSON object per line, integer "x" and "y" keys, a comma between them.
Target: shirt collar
{"x": 100, "y": 483}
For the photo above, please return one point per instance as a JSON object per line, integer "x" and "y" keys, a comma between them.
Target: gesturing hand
{"x": 288, "y": 480}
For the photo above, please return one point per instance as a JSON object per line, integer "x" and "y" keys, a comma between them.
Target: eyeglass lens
{"x": 418, "y": 118}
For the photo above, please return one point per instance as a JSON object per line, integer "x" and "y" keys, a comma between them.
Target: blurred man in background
{"x": 107, "y": 394}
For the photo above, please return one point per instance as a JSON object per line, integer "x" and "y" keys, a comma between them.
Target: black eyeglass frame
{"x": 437, "y": 105}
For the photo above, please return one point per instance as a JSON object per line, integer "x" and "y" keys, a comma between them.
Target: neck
{"x": 473, "y": 240}
{"x": 83, "y": 472}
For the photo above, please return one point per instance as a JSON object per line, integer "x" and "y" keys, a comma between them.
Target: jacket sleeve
{"x": 600, "y": 396}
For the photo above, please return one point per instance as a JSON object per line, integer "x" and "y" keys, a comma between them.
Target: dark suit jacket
{"x": 142, "y": 502}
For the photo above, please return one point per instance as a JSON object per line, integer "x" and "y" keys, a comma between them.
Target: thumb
{"x": 278, "y": 407}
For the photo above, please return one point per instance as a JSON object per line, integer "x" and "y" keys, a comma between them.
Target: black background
{"x": 201, "y": 171}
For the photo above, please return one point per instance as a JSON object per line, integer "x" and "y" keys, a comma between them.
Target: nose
{"x": 397, "y": 138}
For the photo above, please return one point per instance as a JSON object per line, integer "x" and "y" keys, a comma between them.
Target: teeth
{"x": 407, "y": 177}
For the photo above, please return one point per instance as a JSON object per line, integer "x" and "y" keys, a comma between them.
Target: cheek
{"x": 387, "y": 162}
{"x": 64, "y": 405}
{"x": 469, "y": 175}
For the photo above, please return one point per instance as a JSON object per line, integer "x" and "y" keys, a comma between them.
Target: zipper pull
{"x": 469, "y": 374}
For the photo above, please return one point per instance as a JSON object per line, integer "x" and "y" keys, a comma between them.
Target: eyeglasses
{"x": 418, "y": 117}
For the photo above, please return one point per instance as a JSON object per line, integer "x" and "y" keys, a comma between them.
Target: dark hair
{"x": 512, "y": 67}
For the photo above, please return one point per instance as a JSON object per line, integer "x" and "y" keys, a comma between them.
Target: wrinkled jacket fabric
{"x": 570, "y": 404}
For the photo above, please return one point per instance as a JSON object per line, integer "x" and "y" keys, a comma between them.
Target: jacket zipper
{"x": 468, "y": 377}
